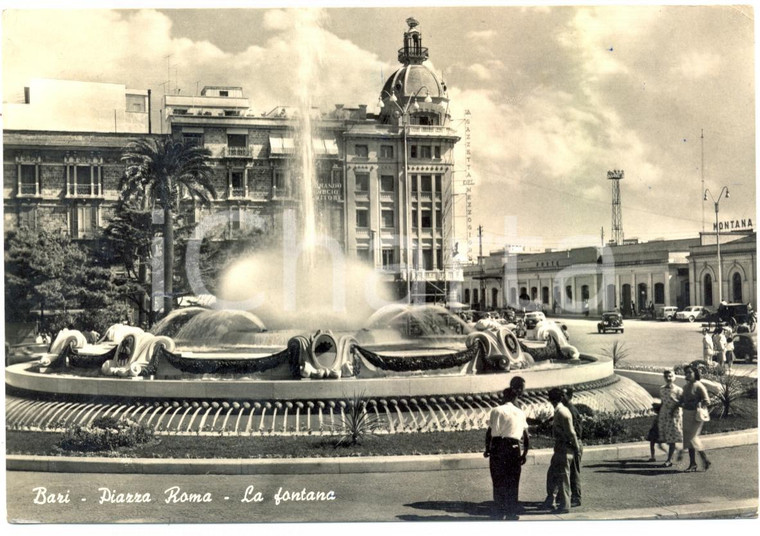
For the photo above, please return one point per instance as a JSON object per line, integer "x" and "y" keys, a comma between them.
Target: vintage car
{"x": 532, "y": 318}
{"x": 693, "y": 312}
{"x": 611, "y": 321}
{"x": 735, "y": 314}
{"x": 745, "y": 346}
{"x": 665, "y": 312}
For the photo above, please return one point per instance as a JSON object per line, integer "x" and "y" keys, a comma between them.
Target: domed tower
{"x": 414, "y": 88}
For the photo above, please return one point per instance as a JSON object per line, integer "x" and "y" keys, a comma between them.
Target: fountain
{"x": 206, "y": 371}
{"x": 216, "y": 372}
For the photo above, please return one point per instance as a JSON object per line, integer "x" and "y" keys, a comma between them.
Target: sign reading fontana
{"x": 734, "y": 225}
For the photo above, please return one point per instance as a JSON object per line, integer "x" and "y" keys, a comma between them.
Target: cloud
{"x": 480, "y": 71}
{"x": 481, "y": 35}
{"x": 697, "y": 65}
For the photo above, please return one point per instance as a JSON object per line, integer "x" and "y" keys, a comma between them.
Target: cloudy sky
{"x": 557, "y": 96}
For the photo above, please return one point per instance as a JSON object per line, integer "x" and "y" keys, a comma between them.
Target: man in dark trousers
{"x": 575, "y": 466}
{"x": 566, "y": 447}
{"x": 507, "y": 425}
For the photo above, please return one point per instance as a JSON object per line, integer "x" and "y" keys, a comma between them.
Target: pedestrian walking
{"x": 506, "y": 427}
{"x": 708, "y": 350}
{"x": 670, "y": 420}
{"x": 653, "y": 435}
{"x": 729, "y": 349}
{"x": 695, "y": 401}
{"x": 719, "y": 343}
{"x": 565, "y": 448}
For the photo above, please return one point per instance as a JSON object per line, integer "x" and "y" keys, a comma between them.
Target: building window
{"x": 27, "y": 217}
{"x": 584, "y": 293}
{"x": 362, "y": 151}
{"x": 438, "y": 184}
{"x": 659, "y": 293}
{"x": 362, "y": 217}
{"x": 224, "y": 93}
{"x": 467, "y": 295}
{"x": 425, "y": 152}
{"x": 386, "y": 151}
{"x": 237, "y": 144}
{"x": 426, "y": 222}
{"x": 84, "y": 221}
{"x": 533, "y": 293}
{"x": 494, "y": 297}
{"x": 569, "y": 292}
{"x": 414, "y": 218}
{"x": 84, "y": 180}
{"x": 386, "y": 183}
{"x": 414, "y": 183}
{"x": 426, "y": 183}
{"x": 545, "y": 295}
{"x": 437, "y": 152}
{"x": 439, "y": 258}
{"x": 412, "y": 151}
{"x": 192, "y": 139}
{"x": 736, "y": 288}
{"x": 388, "y": 218}
{"x": 281, "y": 183}
{"x": 362, "y": 182}
{"x": 389, "y": 258}
{"x": 475, "y": 297}
{"x": 438, "y": 218}
{"x": 237, "y": 184}
{"x": 708, "y": 290}
{"x": 427, "y": 259}
{"x": 28, "y": 183}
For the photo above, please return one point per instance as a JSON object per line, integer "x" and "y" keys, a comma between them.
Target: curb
{"x": 745, "y": 508}
{"x": 344, "y": 465}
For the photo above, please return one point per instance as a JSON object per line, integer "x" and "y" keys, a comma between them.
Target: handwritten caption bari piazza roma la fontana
{"x": 176, "y": 495}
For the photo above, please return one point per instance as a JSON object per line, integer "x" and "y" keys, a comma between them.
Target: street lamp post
{"x": 404, "y": 110}
{"x": 724, "y": 190}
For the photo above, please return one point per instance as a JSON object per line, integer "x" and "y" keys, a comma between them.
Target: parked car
{"x": 532, "y": 318}
{"x": 692, "y": 313}
{"x": 734, "y": 314}
{"x": 611, "y": 321}
{"x": 665, "y": 312}
{"x": 745, "y": 346}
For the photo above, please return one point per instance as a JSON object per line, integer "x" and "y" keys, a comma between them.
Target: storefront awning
{"x": 281, "y": 146}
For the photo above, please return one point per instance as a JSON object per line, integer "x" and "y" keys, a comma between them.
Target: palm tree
{"x": 156, "y": 171}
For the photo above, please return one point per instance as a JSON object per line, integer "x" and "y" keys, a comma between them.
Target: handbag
{"x": 702, "y": 414}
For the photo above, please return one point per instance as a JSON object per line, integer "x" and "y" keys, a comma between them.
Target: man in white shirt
{"x": 507, "y": 425}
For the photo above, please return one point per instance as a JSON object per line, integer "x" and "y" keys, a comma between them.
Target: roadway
{"x": 648, "y": 342}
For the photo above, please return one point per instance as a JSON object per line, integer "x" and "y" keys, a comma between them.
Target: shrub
{"x": 356, "y": 422}
{"x": 604, "y": 426}
{"x": 105, "y": 434}
{"x": 617, "y": 352}
{"x": 730, "y": 389}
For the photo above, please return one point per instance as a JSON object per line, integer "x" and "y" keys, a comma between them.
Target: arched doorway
{"x": 659, "y": 293}
{"x": 642, "y": 297}
{"x": 625, "y": 299}
{"x": 545, "y": 295}
{"x": 495, "y": 298}
{"x": 708, "y": 291}
{"x": 736, "y": 288}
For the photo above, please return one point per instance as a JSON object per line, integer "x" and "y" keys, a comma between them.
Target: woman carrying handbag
{"x": 695, "y": 401}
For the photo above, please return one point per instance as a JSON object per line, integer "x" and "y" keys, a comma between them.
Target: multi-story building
{"x": 626, "y": 277}
{"x": 61, "y": 153}
{"x": 379, "y": 182}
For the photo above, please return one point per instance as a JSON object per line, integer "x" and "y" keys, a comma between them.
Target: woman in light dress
{"x": 670, "y": 422}
{"x": 694, "y": 395}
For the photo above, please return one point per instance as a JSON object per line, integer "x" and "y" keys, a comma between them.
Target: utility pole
{"x": 702, "y": 170}
{"x": 602, "y": 236}
{"x": 482, "y": 270}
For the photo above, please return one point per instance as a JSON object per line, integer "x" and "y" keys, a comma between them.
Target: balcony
{"x": 237, "y": 152}
{"x": 430, "y": 130}
{"x": 237, "y": 192}
{"x": 83, "y": 191}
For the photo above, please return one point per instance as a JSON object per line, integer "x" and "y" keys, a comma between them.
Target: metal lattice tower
{"x": 616, "y": 175}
